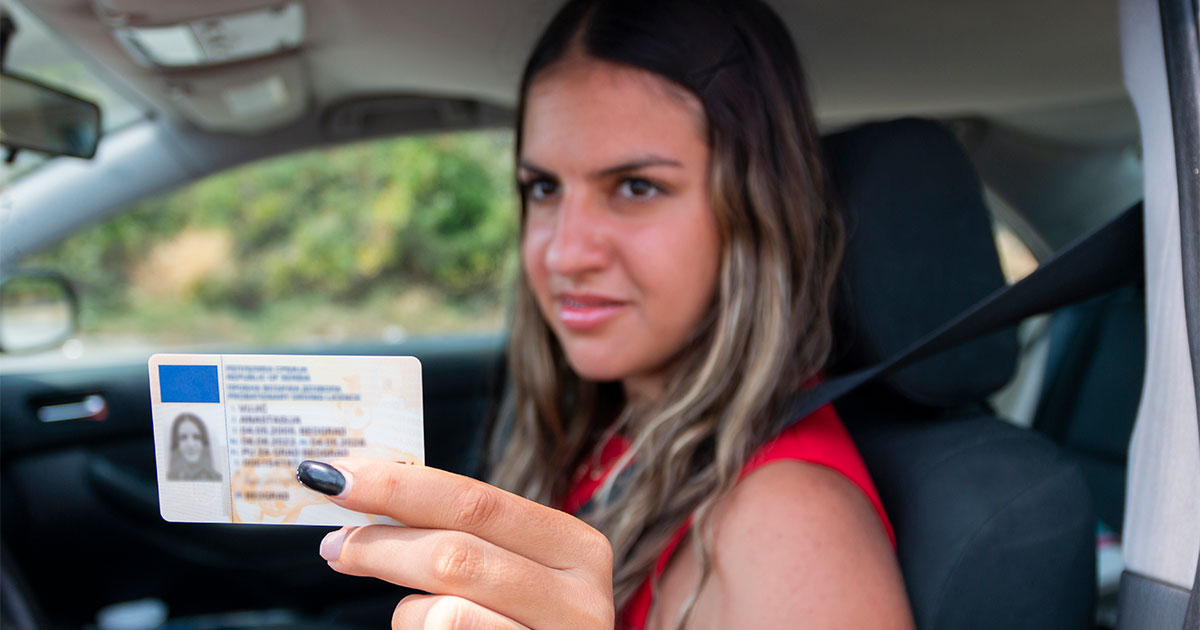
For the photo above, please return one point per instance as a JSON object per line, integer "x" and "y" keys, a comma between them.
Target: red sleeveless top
{"x": 819, "y": 439}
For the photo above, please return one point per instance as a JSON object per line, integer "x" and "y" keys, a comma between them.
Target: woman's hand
{"x": 490, "y": 558}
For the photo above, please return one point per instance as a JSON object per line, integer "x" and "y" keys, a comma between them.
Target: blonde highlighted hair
{"x": 769, "y": 328}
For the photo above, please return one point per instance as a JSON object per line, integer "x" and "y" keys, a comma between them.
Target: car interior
{"x": 951, "y": 131}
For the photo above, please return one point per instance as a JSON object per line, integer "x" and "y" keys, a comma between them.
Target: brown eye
{"x": 540, "y": 189}
{"x": 636, "y": 188}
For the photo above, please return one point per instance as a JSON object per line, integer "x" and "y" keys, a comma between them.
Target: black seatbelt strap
{"x": 1105, "y": 259}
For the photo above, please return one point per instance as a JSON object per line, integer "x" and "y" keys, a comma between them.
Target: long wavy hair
{"x": 768, "y": 330}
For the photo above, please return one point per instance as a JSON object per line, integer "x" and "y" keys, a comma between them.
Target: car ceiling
{"x": 1048, "y": 68}
{"x": 1034, "y": 90}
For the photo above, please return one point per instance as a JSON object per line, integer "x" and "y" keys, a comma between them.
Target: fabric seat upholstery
{"x": 1090, "y": 399}
{"x": 994, "y": 525}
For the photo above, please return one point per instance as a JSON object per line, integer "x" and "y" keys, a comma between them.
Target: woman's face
{"x": 621, "y": 246}
{"x": 191, "y": 442}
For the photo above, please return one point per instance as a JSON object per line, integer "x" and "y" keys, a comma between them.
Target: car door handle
{"x": 92, "y": 407}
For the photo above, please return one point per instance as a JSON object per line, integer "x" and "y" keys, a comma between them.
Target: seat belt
{"x": 1105, "y": 259}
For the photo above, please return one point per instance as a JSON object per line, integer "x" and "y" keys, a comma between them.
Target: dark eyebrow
{"x": 636, "y": 165}
{"x": 541, "y": 172}
{"x": 624, "y": 167}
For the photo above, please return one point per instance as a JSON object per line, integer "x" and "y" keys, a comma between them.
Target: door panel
{"x": 80, "y": 506}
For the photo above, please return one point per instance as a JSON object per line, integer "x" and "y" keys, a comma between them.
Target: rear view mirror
{"x": 40, "y": 118}
{"x": 38, "y": 310}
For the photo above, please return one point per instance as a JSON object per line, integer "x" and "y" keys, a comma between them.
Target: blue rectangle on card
{"x": 188, "y": 384}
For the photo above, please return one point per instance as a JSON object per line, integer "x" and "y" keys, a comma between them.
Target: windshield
{"x": 36, "y": 53}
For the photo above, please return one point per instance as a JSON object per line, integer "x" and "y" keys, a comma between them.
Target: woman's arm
{"x": 796, "y": 545}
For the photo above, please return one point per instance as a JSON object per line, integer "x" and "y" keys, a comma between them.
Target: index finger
{"x": 429, "y": 498}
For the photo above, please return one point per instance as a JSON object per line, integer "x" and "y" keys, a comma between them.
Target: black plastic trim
{"x": 1158, "y": 605}
{"x": 389, "y": 114}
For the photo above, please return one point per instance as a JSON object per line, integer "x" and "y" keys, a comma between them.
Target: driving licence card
{"x": 230, "y": 429}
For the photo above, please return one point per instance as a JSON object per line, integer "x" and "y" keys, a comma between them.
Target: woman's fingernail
{"x": 323, "y": 478}
{"x": 331, "y": 544}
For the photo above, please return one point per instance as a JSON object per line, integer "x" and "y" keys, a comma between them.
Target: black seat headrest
{"x": 919, "y": 251}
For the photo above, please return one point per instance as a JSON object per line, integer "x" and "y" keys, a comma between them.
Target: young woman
{"x": 678, "y": 258}
{"x": 191, "y": 457}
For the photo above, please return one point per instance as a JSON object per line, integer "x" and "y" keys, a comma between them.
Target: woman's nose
{"x": 580, "y": 242}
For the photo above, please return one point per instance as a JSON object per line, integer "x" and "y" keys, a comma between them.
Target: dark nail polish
{"x": 321, "y": 477}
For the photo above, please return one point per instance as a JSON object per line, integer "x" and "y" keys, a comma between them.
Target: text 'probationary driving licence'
{"x": 230, "y": 429}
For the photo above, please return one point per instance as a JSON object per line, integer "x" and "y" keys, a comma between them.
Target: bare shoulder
{"x": 793, "y": 541}
{"x": 789, "y": 497}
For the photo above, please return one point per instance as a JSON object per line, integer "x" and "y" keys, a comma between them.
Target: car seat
{"x": 994, "y": 524}
{"x": 1093, "y": 386}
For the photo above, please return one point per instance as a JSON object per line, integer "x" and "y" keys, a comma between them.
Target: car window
{"x": 376, "y": 241}
{"x": 1016, "y": 259}
{"x": 1019, "y": 246}
{"x": 1020, "y": 249}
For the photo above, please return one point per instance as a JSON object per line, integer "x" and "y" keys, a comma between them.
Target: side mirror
{"x": 40, "y": 118}
{"x": 38, "y": 310}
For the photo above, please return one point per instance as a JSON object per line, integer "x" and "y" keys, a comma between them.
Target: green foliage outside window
{"x": 412, "y": 234}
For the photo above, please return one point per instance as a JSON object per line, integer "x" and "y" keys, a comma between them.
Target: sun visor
{"x": 250, "y": 97}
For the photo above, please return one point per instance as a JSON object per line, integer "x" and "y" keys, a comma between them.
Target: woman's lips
{"x": 585, "y": 312}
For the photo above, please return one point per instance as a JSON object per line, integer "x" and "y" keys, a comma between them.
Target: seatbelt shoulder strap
{"x": 1106, "y": 258}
